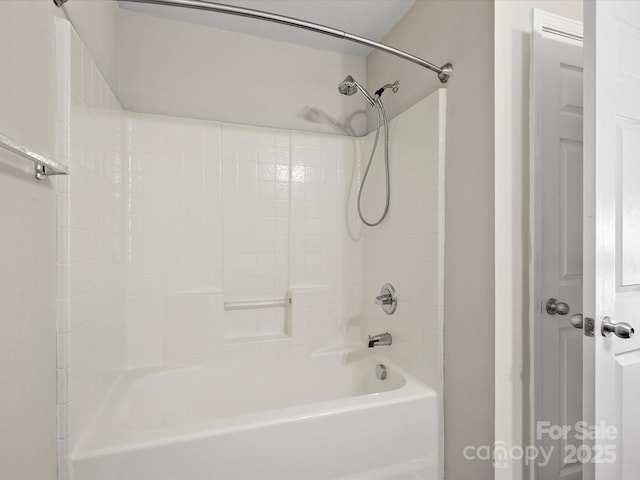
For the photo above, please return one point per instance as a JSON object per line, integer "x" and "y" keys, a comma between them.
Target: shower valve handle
{"x": 385, "y": 299}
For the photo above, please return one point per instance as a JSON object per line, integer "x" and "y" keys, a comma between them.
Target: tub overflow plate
{"x": 381, "y": 372}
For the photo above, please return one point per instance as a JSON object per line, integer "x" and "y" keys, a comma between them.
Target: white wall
{"x": 513, "y": 20}
{"x": 96, "y": 22}
{"x": 90, "y": 249}
{"x": 460, "y": 32}
{"x": 27, "y": 242}
{"x": 206, "y": 73}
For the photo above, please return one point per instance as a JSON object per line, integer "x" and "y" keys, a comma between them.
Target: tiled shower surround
{"x": 407, "y": 249}
{"x": 221, "y": 214}
{"x": 90, "y": 266}
{"x": 175, "y": 235}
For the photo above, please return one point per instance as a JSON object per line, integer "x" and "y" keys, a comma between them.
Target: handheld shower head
{"x": 349, "y": 87}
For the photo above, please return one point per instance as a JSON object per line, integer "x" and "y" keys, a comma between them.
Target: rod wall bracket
{"x": 445, "y": 74}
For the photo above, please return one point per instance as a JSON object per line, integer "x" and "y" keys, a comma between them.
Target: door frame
{"x": 544, "y": 24}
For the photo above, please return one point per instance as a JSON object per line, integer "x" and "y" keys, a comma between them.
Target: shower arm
{"x": 443, "y": 72}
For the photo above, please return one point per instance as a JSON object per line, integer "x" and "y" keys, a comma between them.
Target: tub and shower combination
{"x": 178, "y": 373}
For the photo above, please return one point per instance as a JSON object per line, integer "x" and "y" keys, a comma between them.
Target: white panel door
{"x": 612, "y": 237}
{"x": 557, "y": 162}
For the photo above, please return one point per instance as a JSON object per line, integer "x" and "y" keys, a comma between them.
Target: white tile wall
{"x": 314, "y": 318}
{"x": 255, "y": 209}
{"x": 247, "y": 212}
{"x": 174, "y": 225}
{"x": 323, "y": 249}
{"x": 192, "y": 323}
{"x": 90, "y": 296}
{"x": 407, "y": 249}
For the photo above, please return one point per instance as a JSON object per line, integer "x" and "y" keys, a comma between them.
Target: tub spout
{"x": 381, "y": 339}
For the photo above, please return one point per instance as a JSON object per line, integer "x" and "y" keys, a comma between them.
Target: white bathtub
{"x": 321, "y": 417}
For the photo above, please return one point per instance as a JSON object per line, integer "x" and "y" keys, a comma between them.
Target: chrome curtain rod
{"x": 443, "y": 72}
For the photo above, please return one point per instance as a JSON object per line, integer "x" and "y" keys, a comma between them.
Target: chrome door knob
{"x": 621, "y": 329}
{"x": 554, "y": 307}
{"x": 577, "y": 320}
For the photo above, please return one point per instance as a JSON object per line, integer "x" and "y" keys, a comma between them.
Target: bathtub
{"x": 319, "y": 417}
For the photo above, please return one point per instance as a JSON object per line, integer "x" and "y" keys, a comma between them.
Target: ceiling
{"x": 372, "y": 19}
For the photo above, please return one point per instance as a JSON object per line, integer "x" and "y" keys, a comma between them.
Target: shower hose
{"x": 381, "y": 115}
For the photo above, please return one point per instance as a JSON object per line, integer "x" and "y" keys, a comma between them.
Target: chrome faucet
{"x": 381, "y": 339}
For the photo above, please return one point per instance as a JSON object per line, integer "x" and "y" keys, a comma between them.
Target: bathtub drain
{"x": 381, "y": 372}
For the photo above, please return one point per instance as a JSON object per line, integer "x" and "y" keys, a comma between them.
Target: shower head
{"x": 349, "y": 87}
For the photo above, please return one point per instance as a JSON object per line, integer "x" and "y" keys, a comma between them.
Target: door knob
{"x": 621, "y": 329}
{"x": 583, "y": 323}
{"x": 577, "y": 320}
{"x": 555, "y": 307}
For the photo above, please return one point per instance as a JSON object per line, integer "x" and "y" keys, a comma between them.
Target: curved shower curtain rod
{"x": 443, "y": 72}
